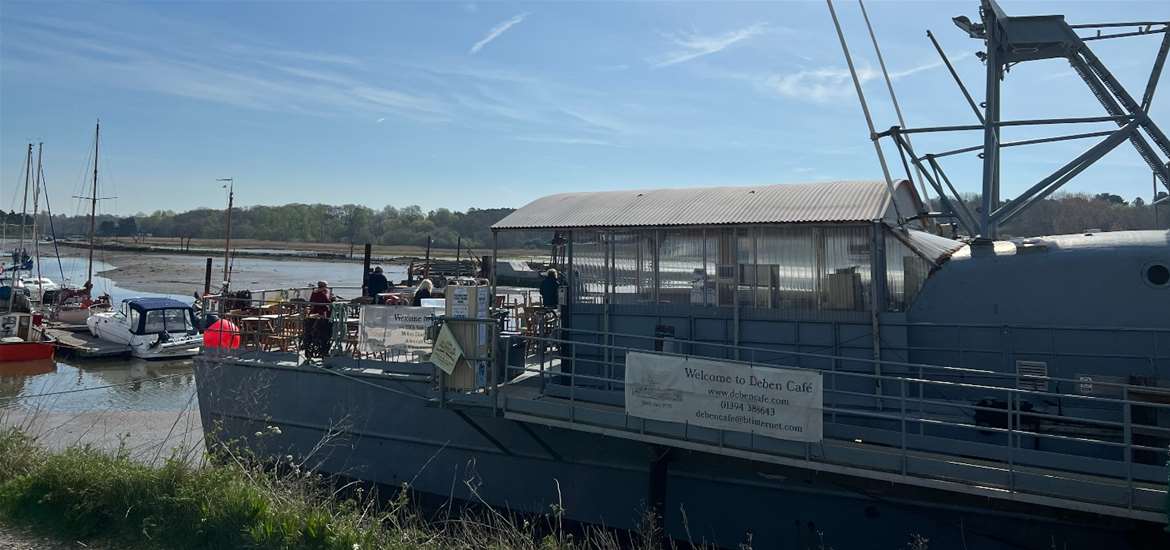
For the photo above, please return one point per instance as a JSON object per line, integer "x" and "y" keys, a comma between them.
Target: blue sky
{"x": 463, "y": 105}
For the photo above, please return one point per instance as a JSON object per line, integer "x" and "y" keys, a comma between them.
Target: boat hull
{"x": 389, "y": 437}
{"x": 182, "y": 351}
{"x": 26, "y": 351}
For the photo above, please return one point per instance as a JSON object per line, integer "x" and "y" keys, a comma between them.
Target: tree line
{"x": 410, "y": 225}
{"x": 1077, "y": 212}
{"x": 358, "y": 224}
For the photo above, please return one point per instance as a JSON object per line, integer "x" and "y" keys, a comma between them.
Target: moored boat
{"x": 22, "y": 338}
{"x": 153, "y": 328}
{"x": 790, "y": 366}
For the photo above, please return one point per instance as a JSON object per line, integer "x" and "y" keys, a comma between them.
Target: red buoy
{"x": 222, "y": 334}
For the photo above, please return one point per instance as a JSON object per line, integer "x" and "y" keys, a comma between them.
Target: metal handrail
{"x": 868, "y": 360}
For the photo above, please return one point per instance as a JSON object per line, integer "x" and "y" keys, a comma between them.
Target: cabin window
{"x": 786, "y": 267}
{"x": 167, "y": 320}
{"x": 683, "y": 277}
{"x": 906, "y": 272}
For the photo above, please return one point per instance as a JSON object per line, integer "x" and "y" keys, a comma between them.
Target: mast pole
{"x": 989, "y": 227}
{"x": 227, "y": 243}
{"x": 36, "y": 215}
{"x": 97, "y": 130}
{"x": 17, "y": 256}
{"x": 877, "y": 146}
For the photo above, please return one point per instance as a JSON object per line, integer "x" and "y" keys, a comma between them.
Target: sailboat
{"x": 22, "y": 336}
{"x": 74, "y": 306}
{"x": 37, "y": 286}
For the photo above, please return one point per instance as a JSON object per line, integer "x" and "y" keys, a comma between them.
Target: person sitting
{"x": 423, "y": 292}
{"x": 377, "y": 283}
{"x": 548, "y": 289}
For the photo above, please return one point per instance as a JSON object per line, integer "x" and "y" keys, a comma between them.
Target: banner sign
{"x": 779, "y": 403}
{"x": 395, "y": 330}
{"x": 447, "y": 351}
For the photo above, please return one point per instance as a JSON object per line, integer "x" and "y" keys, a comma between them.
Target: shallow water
{"x": 108, "y": 402}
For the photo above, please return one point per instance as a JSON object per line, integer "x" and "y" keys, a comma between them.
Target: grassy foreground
{"x": 87, "y": 494}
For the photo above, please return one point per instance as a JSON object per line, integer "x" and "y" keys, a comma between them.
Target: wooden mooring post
{"x": 366, "y": 269}
{"x": 207, "y": 278}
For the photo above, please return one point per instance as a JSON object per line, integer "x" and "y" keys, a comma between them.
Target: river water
{"x": 146, "y": 407}
{"x": 136, "y": 404}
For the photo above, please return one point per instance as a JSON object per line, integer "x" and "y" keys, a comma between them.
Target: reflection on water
{"x": 120, "y": 384}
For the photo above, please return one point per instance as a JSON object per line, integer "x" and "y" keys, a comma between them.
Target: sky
{"x": 457, "y": 105}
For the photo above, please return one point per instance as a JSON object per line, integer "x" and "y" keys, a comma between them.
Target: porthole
{"x": 1158, "y": 274}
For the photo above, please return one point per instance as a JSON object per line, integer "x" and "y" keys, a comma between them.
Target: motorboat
{"x": 34, "y": 287}
{"x": 22, "y": 338}
{"x": 153, "y": 328}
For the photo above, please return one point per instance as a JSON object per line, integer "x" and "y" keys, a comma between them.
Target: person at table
{"x": 423, "y": 292}
{"x": 377, "y": 283}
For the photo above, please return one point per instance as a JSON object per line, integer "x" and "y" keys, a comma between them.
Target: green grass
{"x": 87, "y": 494}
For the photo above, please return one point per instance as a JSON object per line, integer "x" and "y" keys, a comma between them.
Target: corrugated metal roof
{"x": 937, "y": 249}
{"x": 837, "y": 201}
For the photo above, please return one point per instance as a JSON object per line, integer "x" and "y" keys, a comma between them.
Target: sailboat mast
{"x": 93, "y": 200}
{"x": 16, "y": 255}
{"x": 227, "y": 243}
{"x": 36, "y": 216}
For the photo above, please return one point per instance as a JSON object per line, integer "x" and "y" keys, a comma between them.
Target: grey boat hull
{"x": 384, "y": 430}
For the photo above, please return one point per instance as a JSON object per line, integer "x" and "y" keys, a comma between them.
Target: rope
{"x": 91, "y": 388}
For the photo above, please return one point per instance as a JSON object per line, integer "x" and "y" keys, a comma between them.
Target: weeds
{"x": 84, "y": 493}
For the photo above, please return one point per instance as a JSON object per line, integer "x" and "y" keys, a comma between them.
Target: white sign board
{"x": 779, "y": 403}
{"x": 460, "y": 302}
{"x": 395, "y": 330}
{"x": 447, "y": 351}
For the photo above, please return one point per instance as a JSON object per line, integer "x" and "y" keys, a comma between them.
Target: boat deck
{"x": 84, "y": 345}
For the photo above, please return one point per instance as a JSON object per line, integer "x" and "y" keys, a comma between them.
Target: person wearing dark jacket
{"x": 318, "y": 327}
{"x": 548, "y": 289}
{"x": 377, "y": 283}
{"x": 423, "y": 292}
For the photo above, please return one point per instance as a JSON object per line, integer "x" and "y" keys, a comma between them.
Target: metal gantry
{"x": 1012, "y": 40}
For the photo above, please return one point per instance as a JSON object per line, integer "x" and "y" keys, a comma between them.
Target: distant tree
{"x": 108, "y": 228}
{"x": 127, "y": 227}
{"x": 1138, "y": 202}
{"x": 1110, "y": 198}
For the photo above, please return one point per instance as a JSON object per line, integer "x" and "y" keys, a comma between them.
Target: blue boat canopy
{"x": 151, "y": 304}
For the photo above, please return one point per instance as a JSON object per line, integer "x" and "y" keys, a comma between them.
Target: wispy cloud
{"x": 497, "y": 31}
{"x": 690, "y": 45}
{"x": 833, "y": 83}
{"x": 567, "y": 140}
{"x": 380, "y": 120}
{"x": 266, "y": 78}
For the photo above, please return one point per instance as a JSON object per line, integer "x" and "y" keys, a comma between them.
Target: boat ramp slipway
{"x": 793, "y": 365}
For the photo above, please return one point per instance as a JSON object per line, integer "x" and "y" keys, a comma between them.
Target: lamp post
{"x": 229, "y": 184}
